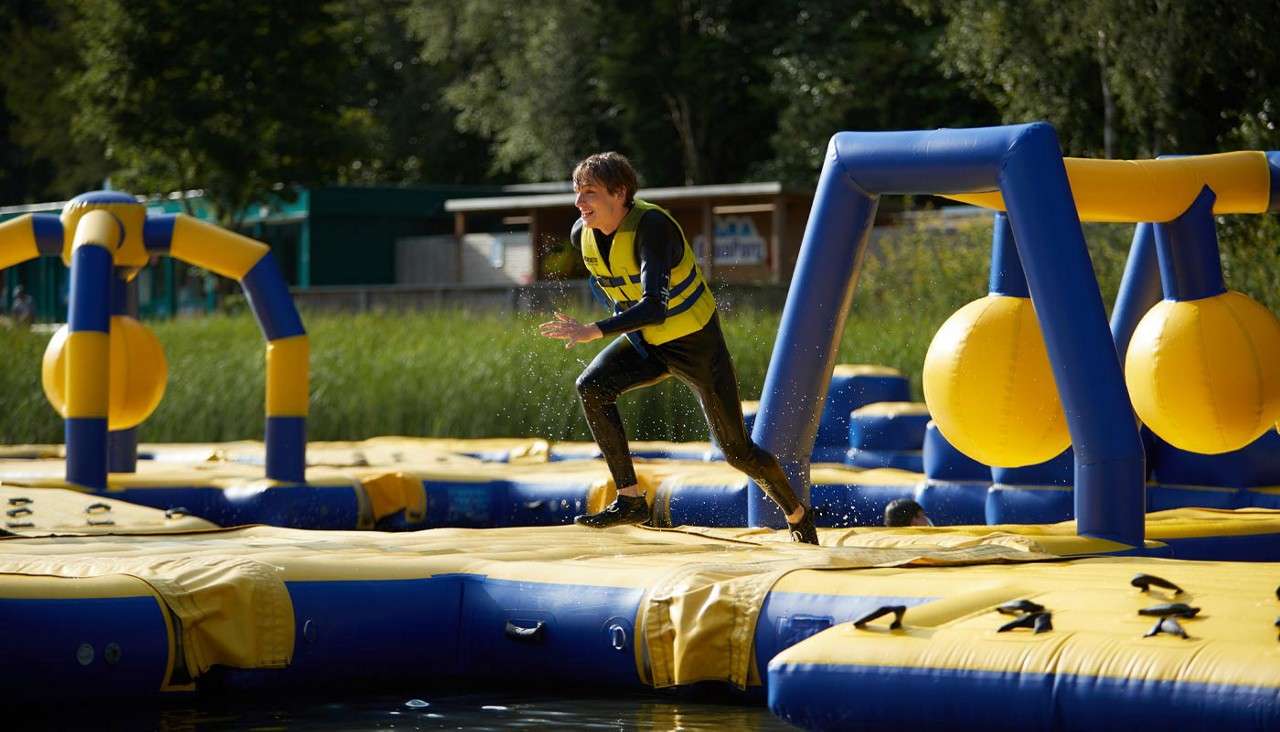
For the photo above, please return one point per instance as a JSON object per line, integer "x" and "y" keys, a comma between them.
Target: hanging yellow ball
{"x": 139, "y": 372}
{"x": 1204, "y": 374}
{"x": 989, "y": 385}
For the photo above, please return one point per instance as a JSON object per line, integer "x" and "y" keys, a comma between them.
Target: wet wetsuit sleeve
{"x": 659, "y": 245}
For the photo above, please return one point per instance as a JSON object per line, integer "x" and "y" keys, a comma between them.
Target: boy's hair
{"x": 609, "y": 169}
{"x": 901, "y": 512}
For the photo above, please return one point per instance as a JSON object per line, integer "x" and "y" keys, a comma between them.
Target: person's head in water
{"x": 905, "y": 512}
{"x": 605, "y": 188}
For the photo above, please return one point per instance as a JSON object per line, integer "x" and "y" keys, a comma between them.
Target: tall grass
{"x": 451, "y": 373}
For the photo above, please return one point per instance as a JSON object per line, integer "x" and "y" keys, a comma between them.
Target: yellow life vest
{"x": 690, "y": 305}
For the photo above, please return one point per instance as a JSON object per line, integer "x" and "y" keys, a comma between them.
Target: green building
{"x": 331, "y": 235}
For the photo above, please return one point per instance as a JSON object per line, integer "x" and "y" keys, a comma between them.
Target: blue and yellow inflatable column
{"x": 288, "y": 352}
{"x": 88, "y": 346}
{"x": 104, "y": 371}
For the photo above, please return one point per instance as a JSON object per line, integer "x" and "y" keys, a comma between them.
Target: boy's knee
{"x": 739, "y": 456}
{"x": 590, "y": 389}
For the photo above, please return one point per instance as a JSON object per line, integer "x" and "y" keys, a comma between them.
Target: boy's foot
{"x": 623, "y": 510}
{"x": 803, "y": 531}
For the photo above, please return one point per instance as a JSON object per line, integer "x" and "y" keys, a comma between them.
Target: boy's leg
{"x": 617, "y": 369}
{"x": 708, "y": 369}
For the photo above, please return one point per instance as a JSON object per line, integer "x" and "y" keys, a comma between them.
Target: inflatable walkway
{"x": 135, "y": 614}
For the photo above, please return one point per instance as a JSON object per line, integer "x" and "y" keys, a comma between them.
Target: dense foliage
{"x": 247, "y": 100}
{"x": 240, "y": 99}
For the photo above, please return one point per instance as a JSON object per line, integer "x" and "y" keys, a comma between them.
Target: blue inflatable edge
{"x": 816, "y": 696}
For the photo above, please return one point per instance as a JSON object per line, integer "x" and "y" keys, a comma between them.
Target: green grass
{"x": 448, "y": 373}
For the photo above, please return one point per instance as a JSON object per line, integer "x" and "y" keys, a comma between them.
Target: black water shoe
{"x": 803, "y": 531}
{"x": 623, "y": 510}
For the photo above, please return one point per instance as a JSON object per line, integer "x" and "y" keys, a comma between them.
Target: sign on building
{"x": 737, "y": 241}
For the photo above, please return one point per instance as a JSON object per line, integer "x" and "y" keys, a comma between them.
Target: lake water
{"x": 419, "y": 709}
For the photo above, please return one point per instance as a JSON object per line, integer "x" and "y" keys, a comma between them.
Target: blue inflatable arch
{"x": 1025, "y": 164}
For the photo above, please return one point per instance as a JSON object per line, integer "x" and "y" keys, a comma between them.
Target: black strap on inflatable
{"x": 897, "y": 610}
{"x": 533, "y": 634}
{"x": 1038, "y": 622}
{"x": 1170, "y": 609}
{"x": 1145, "y": 582}
{"x": 1017, "y": 607}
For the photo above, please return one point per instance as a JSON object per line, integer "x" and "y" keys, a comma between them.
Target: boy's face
{"x": 599, "y": 208}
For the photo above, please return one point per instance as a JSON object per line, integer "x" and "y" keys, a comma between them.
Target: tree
{"x": 234, "y": 98}
{"x": 1119, "y": 77}
{"x": 395, "y": 99}
{"x": 524, "y": 77}
{"x": 867, "y": 66}
{"x": 690, "y": 84}
{"x": 40, "y": 158}
{"x": 680, "y": 86}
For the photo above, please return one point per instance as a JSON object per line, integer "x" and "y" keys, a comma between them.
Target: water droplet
{"x": 416, "y": 704}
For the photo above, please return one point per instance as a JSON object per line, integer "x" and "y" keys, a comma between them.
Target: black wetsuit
{"x": 700, "y": 359}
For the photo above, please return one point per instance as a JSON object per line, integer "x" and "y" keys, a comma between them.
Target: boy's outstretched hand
{"x": 569, "y": 330}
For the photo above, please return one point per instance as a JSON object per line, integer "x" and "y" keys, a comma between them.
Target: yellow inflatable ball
{"x": 139, "y": 372}
{"x": 1205, "y": 374}
{"x": 989, "y": 386}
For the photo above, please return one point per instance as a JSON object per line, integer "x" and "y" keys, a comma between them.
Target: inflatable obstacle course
{"x": 1094, "y": 622}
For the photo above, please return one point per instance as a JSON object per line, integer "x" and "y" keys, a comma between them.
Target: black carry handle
{"x": 1175, "y": 609}
{"x": 23, "y": 501}
{"x": 526, "y": 635}
{"x": 19, "y": 512}
{"x": 97, "y": 507}
{"x": 897, "y": 610}
{"x": 1041, "y": 622}
{"x": 176, "y": 511}
{"x": 1145, "y": 582}
{"x": 1018, "y": 607}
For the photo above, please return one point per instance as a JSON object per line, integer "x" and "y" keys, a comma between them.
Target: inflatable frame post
{"x": 1139, "y": 287}
{"x": 1007, "y": 277}
{"x": 1187, "y": 250}
{"x": 122, "y": 445}
{"x": 1025, "y": 164}
{"x": 97, "y": 235}
{"x": 813, "y": 318}
{"x": 288, "y": 352}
